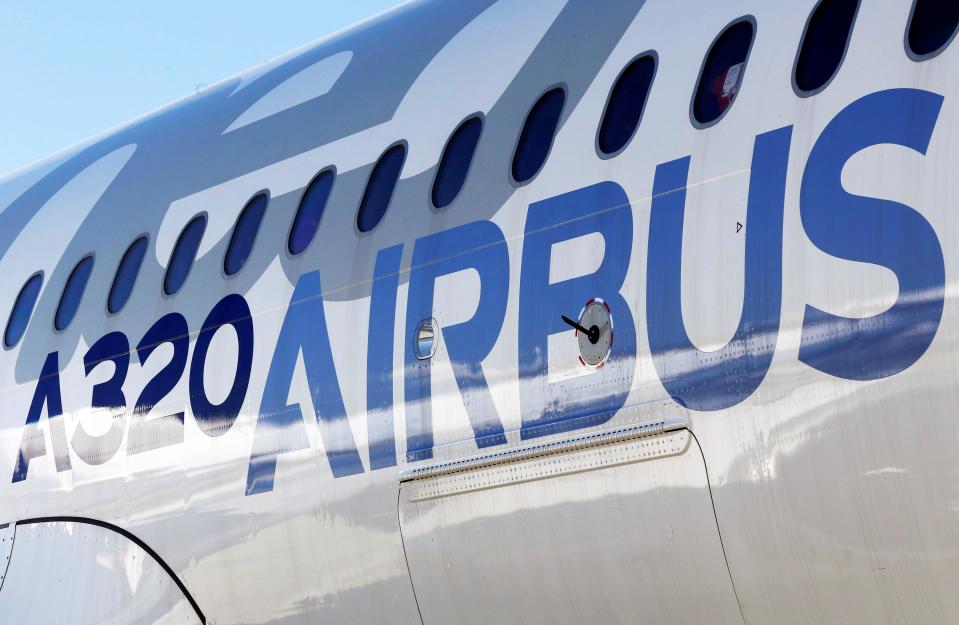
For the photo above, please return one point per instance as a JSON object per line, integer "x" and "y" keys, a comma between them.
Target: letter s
{"x": 874, "y": 231}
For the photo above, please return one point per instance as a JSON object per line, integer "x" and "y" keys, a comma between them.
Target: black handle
{"x": 592, "y": 334}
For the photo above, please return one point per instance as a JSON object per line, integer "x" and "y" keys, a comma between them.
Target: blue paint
{"x": 111, "y": 348}
{"x": 32, "y": 441}
{"x": 549, "y": 408}
{"x": 160, "y": 431}
{"x": 724, "y": 377}
{"x": 280, "y": 427}
{"x": 379, "y": 359}
{"x": 217, "y": 419}
{"x": 467, "y": 343}
{"x": 870, "y": 230}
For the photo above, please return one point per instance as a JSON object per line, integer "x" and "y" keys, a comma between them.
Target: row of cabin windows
{"x": 932, "y": 26}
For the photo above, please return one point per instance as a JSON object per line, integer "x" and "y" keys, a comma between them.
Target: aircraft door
{"x": 82, "y": 572}
{"x": 613, "y": 526}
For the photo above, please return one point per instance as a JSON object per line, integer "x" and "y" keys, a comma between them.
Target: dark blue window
{"x": 184, "y": 253}
{"x": 537, "y": 136}
{"x": 73, "y": 293}
{"x": 310, "y": 211}
{"x": 379, "y": 189}
{"x": 824, "y": 44}
{"x": 126, "y": 275}
{"x": 722, "y": 73}
{"x": 22, "y": 309}
{"x": 455, "y": 163}
{"x": 244, "y": 234}
{"x": 626, "y": 103}
{"x": 932, "y": 26}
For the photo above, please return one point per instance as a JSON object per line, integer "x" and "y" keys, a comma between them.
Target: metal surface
{"x": 91, "y": 576}
{"x": 786, "y": 280}
{"x": 7, "y": 532}
{"x": 613, "y": 536}
{"x": 595, "y": 352}
{"x": 559, "y": 446}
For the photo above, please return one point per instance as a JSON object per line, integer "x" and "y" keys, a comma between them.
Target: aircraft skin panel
{"x": 90, "y": 575}
{"x": 638, "y": 542}
{"x": 7, "y": 532}
{"x": 785, "y": 277}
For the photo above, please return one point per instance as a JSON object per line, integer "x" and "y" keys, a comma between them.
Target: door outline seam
{"x": 409, "y": 572}
{"x": 129, "y": 536}
{"x": 719, "y": 533}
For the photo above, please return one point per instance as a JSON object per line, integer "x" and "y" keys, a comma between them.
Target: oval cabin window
{"x": 308, "y": 214}
{"x": 126, "y": 275}
{"x": 627, "y": 100}
{"x": 455, "y": 162}
{"x": 73, "y": 293}
{"x": 722, "y": 73}
{"x": 824, "y": 44}
{"x": 22, "y": 309}
{"x": 244, "y": 234}
{"x": 380, "y": 187}
{"x": 537, "y": 137}
{"x": 183, "y": 255}
{"x": 932, "y": 26}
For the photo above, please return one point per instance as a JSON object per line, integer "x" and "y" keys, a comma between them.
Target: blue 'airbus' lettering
{"x": 841, "y": 224}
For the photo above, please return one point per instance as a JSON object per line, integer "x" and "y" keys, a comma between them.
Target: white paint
{"x": 96, "y": 576}
{"x": 219, "y": 372}
{"x": 309, "y": 83}
{"x": 456, "y": 297}
{"x": 459, "y": 81}
{"x": 576, "y": 257}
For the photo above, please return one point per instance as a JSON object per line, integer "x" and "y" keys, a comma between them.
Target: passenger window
{"x": 722, "y": 73}
{"x": 126, "y": 275}
{"x": 380, "y": 187}
{"x": 244, "y": 234}
{"x": 310, "y": 211}
{"x": 932, "y": 26}
{"x": 73, "y": 293}
{"x": 455, "y": 163}
{"x": 824, "y": 44}
{"x": 22, "y": 309}
{"x": 184, "y": 253}
{"x": 626, "y": 103}
{"x": 537, "y": 137}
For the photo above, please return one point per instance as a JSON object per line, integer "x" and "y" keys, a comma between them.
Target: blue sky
{"x": 73, "y": 69}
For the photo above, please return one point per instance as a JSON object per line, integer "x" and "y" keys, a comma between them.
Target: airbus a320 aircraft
{"x": 489, "y": 312}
